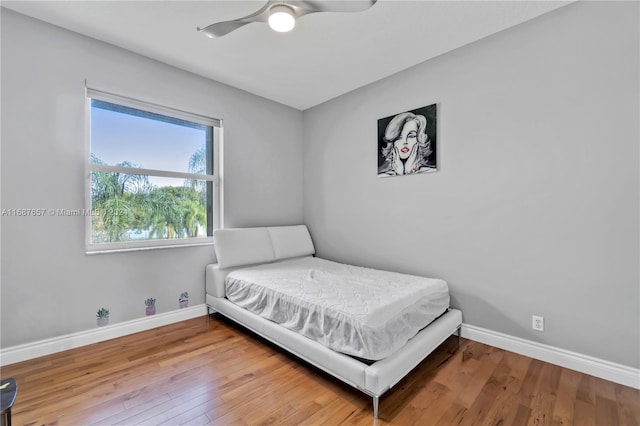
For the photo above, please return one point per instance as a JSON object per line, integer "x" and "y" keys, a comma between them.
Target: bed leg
{"x": 376, "y": 404}
{"x": 459, "y": 337}
{"x": 210, "y": 311}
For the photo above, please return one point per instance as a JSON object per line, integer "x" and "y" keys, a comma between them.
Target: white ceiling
{"x": 326, "y": 55}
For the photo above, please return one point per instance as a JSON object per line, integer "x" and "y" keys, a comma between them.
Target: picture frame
{"x": 407, "y": 142}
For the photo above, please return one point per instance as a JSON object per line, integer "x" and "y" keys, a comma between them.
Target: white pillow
{"x": 243, "y": 246}
{"x": 291, "y": 241}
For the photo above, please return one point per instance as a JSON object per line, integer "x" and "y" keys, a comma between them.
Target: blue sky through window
{"x": 146, "y": 142}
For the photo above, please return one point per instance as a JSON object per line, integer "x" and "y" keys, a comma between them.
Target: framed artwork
{"x": 407, "y": 143}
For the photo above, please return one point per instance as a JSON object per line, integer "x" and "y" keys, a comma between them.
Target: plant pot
{"x": 151, "y": 310}
{"x": 102, "y": 321}
{"x": 183, "y": 303}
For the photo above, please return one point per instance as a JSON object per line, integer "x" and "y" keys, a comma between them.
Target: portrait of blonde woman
{"x": 407, "y": 143}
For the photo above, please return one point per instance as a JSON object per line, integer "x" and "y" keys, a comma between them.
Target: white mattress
{"x": 361, "y": 312}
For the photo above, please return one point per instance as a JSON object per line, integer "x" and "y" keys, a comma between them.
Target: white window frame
{"x": 216, "y": 124}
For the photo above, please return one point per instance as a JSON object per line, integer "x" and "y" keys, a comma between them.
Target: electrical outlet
{"x": 537, "y": 323}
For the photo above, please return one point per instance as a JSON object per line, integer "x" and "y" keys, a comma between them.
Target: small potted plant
{"x": 102, "y": 317}
{"x": 151, "y": 306}
{"x": 183, "y": 301}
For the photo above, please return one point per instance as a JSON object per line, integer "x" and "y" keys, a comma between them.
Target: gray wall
{"x": 535, "y": 207}
{"x": 49, "y": 286}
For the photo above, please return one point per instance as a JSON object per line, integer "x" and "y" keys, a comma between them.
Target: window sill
{"x": 149, "y": 245}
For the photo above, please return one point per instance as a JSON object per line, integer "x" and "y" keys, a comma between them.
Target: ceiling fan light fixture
{"x": 281, "y": 19}
{"x": 281, "y": 14}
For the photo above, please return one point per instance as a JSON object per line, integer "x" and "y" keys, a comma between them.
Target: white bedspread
{"x": 358, "y": 311}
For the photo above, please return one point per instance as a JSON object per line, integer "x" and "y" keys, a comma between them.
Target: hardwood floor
{"x": 210, "y": 372}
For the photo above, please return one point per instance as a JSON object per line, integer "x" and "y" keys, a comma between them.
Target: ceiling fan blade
{"x": 221, "y": 28}
{"x": 333, "y": 5}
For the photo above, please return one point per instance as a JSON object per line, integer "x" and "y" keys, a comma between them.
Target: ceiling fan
{"x": 282, "y": 15}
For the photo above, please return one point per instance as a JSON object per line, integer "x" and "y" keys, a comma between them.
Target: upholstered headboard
{"x": 247, "y": 246}
{"x": 238, "y": 247}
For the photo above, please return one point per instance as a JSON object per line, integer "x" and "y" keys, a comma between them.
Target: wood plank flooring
{"x": 209, "y": 371}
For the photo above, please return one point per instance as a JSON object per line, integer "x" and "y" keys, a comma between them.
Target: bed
{"x": 366, "y": 327}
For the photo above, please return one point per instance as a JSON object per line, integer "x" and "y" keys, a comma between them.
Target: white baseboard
{"x": 611, "y": 371}
{"x": 616, "y": 373}
{"x": 57, "y": 344}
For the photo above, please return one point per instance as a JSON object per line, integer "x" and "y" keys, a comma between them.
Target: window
{"x": 153, "y": 175}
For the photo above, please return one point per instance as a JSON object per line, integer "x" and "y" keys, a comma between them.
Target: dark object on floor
{"x": 8, "y": 390}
